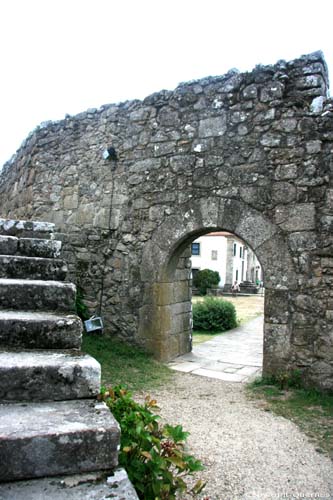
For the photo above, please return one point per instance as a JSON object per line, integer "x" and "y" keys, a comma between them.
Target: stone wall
{"x": 247, "y": 153}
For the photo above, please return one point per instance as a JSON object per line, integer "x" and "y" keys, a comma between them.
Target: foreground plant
{"x": 153, "y": 455}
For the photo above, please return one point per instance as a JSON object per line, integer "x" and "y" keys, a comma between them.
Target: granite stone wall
{"x": 247, "y": 153}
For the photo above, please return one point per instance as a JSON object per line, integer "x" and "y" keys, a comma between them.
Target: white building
{"x": 227, "y": 254}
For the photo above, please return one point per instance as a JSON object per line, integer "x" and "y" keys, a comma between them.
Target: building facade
{"x": 228, "y": 255}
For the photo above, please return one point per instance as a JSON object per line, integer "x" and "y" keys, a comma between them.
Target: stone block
{"x": 38, "y": 268}
{"x": 48, "y": 439}
{"x": 8, "y": 245}
{"x": 47, "y": 375}
{"x": 213, "y": 127}
{"x": 298, "y": 217}
{"x": 88, "y": 486}
{"x": 277, "y": 306}
{"x": 255, "y": 229}
{"x": 276, "y": 348}
{"x": 36, "y": 247}
{"x": 284, "y": 172}
{"x": 35, "y": 295}
{"x": 23, "y": 228}
{"x": 302, "y": 241}
{"x": 36, "y": 330}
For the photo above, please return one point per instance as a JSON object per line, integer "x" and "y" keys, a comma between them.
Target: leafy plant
{"x": 80, "y": 307}
{"x": 206, "y": 278}
{"x": 214, "y": 315}
{"x": 153, "y": 454}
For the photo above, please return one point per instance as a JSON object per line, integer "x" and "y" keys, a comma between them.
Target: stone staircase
{"x": 50, "y": 421}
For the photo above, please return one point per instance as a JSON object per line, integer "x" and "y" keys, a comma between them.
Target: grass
{"x": 247, "y": 308}
{"x": 310, "y": 410}
{"x": 125, "y": 364}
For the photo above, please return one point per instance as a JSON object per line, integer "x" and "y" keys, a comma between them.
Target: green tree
{"x": 206, "y": 278}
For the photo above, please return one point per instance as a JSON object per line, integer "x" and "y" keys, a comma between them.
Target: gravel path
{"x": 249, "y": 453}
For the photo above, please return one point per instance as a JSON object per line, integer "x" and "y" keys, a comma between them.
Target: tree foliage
{"x": 204, "y": 279}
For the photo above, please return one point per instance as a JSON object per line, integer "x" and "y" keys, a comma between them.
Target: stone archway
{"x": 165, "y": 317}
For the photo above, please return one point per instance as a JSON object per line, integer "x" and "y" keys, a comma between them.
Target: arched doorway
{"x": 165, "y": 317}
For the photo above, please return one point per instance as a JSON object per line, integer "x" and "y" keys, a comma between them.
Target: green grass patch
{"x": 201, "y": 336}
{"x": 311, "y": 410}
{"x": 125, "y": 364}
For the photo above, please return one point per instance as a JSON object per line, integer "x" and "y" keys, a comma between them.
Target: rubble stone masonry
{"x": 250, "y": 153}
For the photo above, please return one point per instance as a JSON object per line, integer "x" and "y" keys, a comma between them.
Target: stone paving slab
{"x": 184, "y": 366}
{"x": 235, "y": 356}
{"x": 91, "y": 486}
{"x": 228, "y": 377}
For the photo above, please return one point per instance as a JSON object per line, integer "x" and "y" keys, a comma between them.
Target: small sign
{"x": 93, "y": 324}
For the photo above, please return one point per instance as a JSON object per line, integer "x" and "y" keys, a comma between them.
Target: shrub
{"x": 153, "y": 455}
{"x": 214, "y": 315}
{"x": 206, "y": 278}
{"x": 80, "y": 307}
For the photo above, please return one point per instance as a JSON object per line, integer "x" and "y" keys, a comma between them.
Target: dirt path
{"x": 249, "y": 453}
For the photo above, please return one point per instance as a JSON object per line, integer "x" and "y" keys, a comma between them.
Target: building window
{"x": 214, "y": 254}
{"x": 240, "y": 251}
{"x": 235, "y": 248}
{"x": 236, "y": 274}
{"x": 195, "y": 248}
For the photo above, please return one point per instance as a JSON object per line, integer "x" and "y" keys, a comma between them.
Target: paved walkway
{"x": 235, "y": 356}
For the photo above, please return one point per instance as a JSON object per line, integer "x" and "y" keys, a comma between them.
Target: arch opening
{"x": 165, "y": 318}
{"x": 237, "y": 354}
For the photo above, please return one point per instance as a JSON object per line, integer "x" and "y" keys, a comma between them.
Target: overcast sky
{"x": 64, "y": 56}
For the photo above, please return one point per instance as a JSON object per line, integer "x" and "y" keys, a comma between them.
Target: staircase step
{"x": 47, "y": 375}
{"x": 38, "y": 330}
{"x": 36, "y": 295}
{"x": 35, "y": 268}
{"x": 37, "y": 247}
{"x": 27, "y": 229}
{"x": 48, "y": 439}
{"x": 8, "y": 245}
{"x": 30, "y": 247}
{"x": 88, "y": 486}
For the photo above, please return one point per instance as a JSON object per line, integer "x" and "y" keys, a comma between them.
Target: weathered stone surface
{"x": 89, "y": 486}
{"x": 47, "y": 439}
{"x": 8, "y": 245}
{"x": 247, "y": 153}
{"x": 300, "y": 217}
{"x": 25, "y": 228}
{"x": 37, "y": 330}
{"x": 36, "y": 247}
{"x": 47, "y": 375}
{"x": 36, "y": 295}
{"x": 37, "y": 268}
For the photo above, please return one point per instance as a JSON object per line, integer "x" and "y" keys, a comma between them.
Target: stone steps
{"x": 37, "y": 268}
{"x": 40, "y": 330}
{"x": 50, "y": 421}
{"x": 42, "y": 295}
{"x": 47, "y": 375}
{"x": 89, "y": 486}
{"x": 26, "y": 229}
{"x": 32, "y": 247}
{"x": 47, "y": 439}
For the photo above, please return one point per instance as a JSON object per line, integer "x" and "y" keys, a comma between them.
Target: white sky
{"x": 64, "y": 56}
